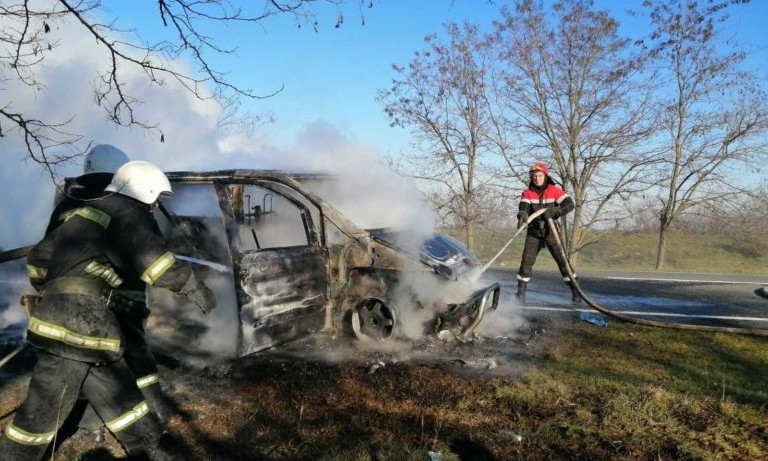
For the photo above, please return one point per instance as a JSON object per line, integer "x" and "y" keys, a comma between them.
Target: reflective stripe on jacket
{"x": 111, "y": 239}
{"x": 534, "y": 199}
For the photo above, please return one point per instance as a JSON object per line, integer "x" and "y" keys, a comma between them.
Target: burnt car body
{"x": 298, "y": 266}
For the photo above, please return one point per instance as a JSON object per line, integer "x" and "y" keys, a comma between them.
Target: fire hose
{"x": 639, "y": 321}
{"x": 527, "y": 221}
{"x": 13, "y": 354}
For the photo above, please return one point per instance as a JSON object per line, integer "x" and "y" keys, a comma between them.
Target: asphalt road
{"x": 704, "y": 299}
{"x": 708, "y": 299}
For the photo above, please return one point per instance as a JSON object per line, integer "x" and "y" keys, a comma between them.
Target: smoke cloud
{"x": 366, "y": 190}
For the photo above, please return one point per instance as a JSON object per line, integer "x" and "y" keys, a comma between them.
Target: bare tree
{"x": 573, "y": 94}
{"x": 439, "y": 95}
{"x": 25, "y": 43}
{"x": 715, "y": 113}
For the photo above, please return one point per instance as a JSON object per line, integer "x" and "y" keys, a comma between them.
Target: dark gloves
{"x": 522, "y": 217}
{"x": 197, "y": 292}
{"x": 551, "y": 213}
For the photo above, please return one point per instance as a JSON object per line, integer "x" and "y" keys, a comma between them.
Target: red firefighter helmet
{"x": 539, "y": 167}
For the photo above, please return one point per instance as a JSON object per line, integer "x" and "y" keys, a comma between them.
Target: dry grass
{"x": 618, "y": 393}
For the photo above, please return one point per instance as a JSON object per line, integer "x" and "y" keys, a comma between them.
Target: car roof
{"x": 287, "y": 178}
{"x": 276, "y": 175}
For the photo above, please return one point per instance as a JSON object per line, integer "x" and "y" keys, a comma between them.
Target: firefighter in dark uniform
{"x": 542, "y": 192}
{"x": 79, "y": 341}
{"x": 129, "y": 304}
{"x": 99, "y": 167}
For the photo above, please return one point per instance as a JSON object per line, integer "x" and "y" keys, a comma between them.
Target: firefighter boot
{"x": 160, "y": 454}
{"x": 520, "y": 295}
{"x": 90, "y": 424}
{"x": 158, "y": 402}
{"x": 168, "y": 448}
{"x": 575, "y": 296}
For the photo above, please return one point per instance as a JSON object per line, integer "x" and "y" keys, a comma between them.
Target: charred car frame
{"x": 298, "y": 265}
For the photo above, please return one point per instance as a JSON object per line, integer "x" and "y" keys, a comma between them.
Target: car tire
{"x": 372, "y": 319}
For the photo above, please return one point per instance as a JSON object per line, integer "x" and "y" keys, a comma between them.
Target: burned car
{"x": 285, "y": 263}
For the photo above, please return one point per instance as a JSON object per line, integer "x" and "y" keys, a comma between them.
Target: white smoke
{"x": 504, "y": 321}
{"x": 361, "y": 186}
{"x": 192, "y": 141}
{"x": 13, "y": 318}
{"x": 366, "y": 190}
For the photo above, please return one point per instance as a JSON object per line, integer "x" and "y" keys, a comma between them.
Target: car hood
{"x": 446, "y": 255}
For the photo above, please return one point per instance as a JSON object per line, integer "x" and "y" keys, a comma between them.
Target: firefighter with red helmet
{"x": 80, "y": 344}
{"x": 542, "y": 192}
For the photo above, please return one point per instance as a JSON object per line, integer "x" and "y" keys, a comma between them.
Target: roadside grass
{"x": 637, "y": 251}
{"x": 619, "y": 393}
{"x": 624, "y": 392}
{"x": 628, "y": 392}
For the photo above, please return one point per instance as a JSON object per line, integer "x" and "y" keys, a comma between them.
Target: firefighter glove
{"x": 199, "y": 293}
{"x": 521, "y": 219}
{"x": 551, "y": 213}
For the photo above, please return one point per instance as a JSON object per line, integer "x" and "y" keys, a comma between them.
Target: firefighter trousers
{"x": 138, "y": 355}
{"x": 53, "y": 389}
{"x": 141, "y": 361}
{"x": 533, "y": 245}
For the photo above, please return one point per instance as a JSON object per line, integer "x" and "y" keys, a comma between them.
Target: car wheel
{"x": 372, "y": 319}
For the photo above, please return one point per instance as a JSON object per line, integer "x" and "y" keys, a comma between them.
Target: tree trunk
{"x": 469, "y": 219}
{"x": 661, "y": 250}
{"x": 470, "y": 230}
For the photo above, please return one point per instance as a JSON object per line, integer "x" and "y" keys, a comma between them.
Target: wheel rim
{"x": 372, "y": 319}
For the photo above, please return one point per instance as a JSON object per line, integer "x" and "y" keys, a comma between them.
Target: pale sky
{"x": 327, "y": 114}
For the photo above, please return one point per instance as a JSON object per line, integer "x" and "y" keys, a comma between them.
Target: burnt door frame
{"x": 281, "y": 292}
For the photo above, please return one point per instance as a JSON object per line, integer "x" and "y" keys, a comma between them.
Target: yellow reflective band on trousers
{"x": 128, "y": 418}
{"x": 92, "y": 214}
{"x": 23, "y": 437}
{"x": 146, "y": 381}
{"x": 36, "y": 272}
{"x": 105, "y": 272}
{"x": 71, "y": 338}
{"x": 158, "y": 268}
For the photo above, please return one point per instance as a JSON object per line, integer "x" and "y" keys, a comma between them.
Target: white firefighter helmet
{"x": 104, "y": 158}
{"x": 141, "y": 180}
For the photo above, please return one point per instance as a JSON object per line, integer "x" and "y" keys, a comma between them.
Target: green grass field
{"x": 637, "y": 251}
{"x": 630, "y": 392}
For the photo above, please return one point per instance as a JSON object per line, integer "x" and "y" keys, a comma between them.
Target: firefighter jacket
{"x": 535, "y": 198}
{"x": 94, "y": 251}
{"x": 82, "y": 189}
{"x": 76, "y": 195}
